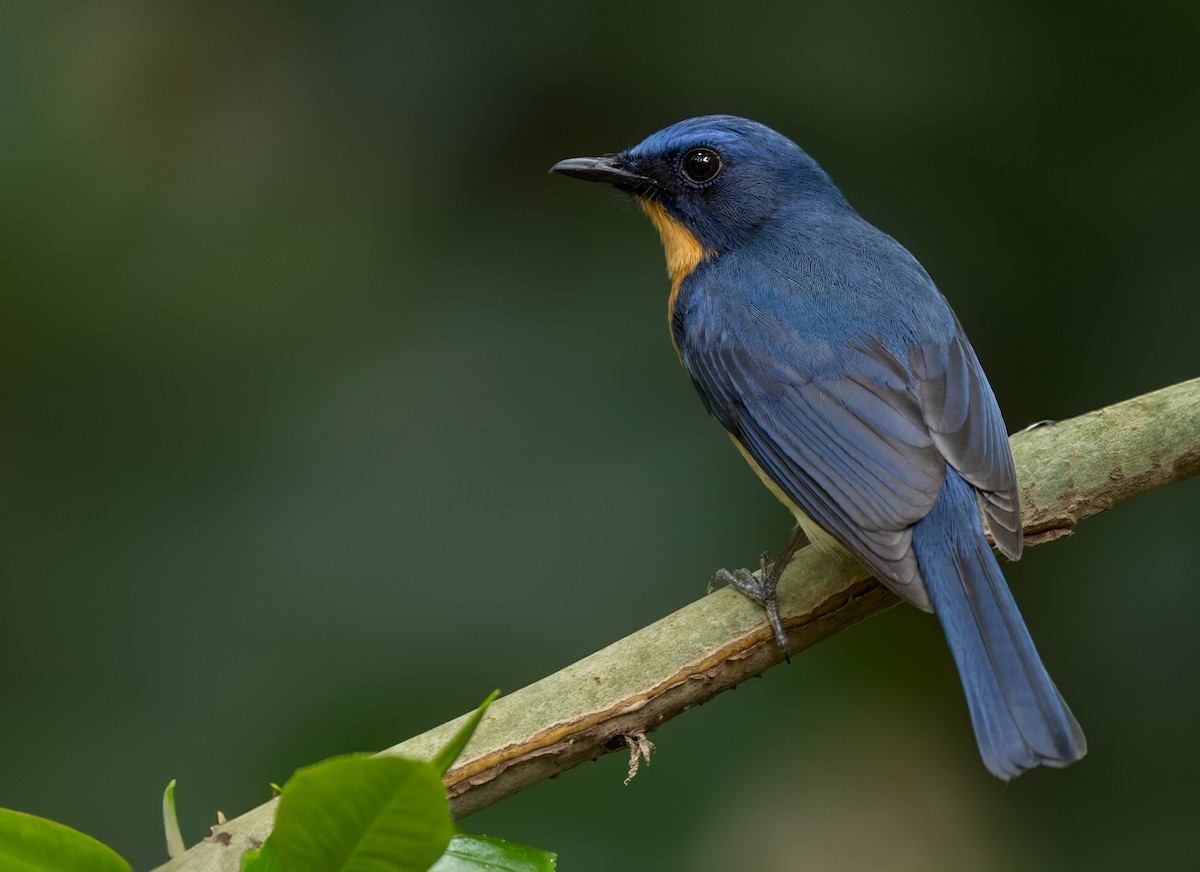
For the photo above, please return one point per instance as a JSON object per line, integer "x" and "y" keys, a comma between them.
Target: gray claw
{"x": 763, "y": 590}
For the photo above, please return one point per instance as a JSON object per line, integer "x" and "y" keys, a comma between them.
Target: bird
{"x": 847, "y": 383}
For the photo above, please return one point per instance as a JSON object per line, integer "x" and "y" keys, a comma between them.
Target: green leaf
{"x": 446, "y": 757}
{"x": 362, "y": 814}
{"x": 262, "y": 859}
{"x": 478, "y": 853}
{"x": 175, "y": 845}
{"x": 34, "y": 844}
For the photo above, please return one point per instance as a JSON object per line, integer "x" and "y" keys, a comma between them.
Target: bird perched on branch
{"x": 843, "y": 377}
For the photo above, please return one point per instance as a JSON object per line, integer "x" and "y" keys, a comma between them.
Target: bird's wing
{"x": 862, "y": 450}
{"x": 968, "y": 429}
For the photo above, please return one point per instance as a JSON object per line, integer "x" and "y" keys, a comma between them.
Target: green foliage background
{"x": 326, "y": 410}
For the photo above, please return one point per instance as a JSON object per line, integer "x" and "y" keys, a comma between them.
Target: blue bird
{"x": 843, "y": 377}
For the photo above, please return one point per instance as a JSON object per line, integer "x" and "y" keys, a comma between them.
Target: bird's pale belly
{"x": 816, "y": 535}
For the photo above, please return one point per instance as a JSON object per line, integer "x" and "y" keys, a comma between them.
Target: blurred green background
{"x": 326, "y": 410}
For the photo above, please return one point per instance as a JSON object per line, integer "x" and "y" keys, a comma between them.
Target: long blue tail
{"x": 1020, "y": 719}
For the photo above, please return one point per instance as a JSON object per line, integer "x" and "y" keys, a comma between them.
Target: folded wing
{"x": 862, "y": 449}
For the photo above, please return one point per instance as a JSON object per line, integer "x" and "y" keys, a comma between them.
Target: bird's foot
{"x": 763, "y": 589}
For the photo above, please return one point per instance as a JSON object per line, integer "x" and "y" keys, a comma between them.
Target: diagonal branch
{"x": 1069, "y": 471}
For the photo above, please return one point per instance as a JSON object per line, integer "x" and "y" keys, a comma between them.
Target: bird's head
{"x": 710, "y": 184}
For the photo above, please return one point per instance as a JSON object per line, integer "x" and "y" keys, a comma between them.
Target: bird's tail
{"x": 1020, "y": 719}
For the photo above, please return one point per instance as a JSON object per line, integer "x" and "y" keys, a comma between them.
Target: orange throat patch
{"x": 683, "y": 250}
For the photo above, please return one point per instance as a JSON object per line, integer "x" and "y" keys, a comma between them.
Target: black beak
{"x": 608, "y": 169}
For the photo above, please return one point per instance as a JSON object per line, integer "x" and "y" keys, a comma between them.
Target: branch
{"x": 1068, "y": 471}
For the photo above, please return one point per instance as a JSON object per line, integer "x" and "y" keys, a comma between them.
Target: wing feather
{"x": 862, "y": 449}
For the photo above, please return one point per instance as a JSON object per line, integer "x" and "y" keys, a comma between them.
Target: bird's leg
{"x": 763, "y": 589}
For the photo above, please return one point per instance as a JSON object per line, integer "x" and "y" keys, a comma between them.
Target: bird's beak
{"x": 608, "y": 169}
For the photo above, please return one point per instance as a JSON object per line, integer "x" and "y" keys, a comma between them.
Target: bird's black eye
{"x": 700, "y": 165}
